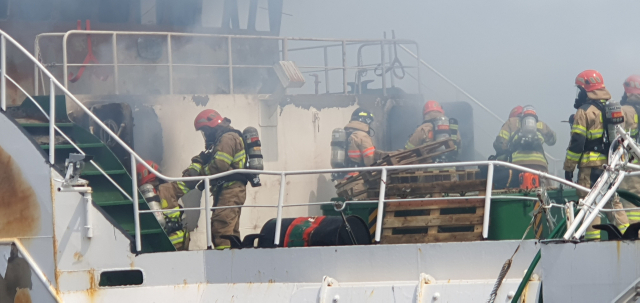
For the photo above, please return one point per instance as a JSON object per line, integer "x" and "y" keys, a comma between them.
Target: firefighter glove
{"x": 568, "y": 175}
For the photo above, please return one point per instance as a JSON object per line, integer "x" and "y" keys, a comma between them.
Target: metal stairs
{"x": 112, "y": 203}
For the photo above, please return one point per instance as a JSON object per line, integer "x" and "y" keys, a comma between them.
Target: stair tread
{"x": 117, "y": 203}
{"x": 46, "y": 124}
{"x": 69, "y": 146}
{"x": 96, "y": 172}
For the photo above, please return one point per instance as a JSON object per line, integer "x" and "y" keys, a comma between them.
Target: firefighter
{"x": 168, "y": 194}
{"x": 360, "y": 149}
{"x": 226, "y": 152}
{"x": 424, "y": 133}
{"x": 587, "y": 149}
{"x": 631, "y": 107}
{"x": 515, "y": 145}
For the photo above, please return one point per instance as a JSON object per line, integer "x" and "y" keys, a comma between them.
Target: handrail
{"x": 33, "y": 265}
{"x": 285, "y": 50}
{"x": 283, "y": 174}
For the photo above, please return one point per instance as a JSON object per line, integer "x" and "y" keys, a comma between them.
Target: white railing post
{"x": 596, "y": 211}
{"x": 136, "y": 210}
{"x": 383, "y": 189}
{"x": 229, "y": 50}
{"x": 115, "y": 62}
{"x": 382, "y": 67}
{"x": 344, "y": 67}
{"x": 3, "y": 78}
{"x": 170, "y": 56}
{"x": 487, "y": 202}
{"x": 276, "y": 237}
{"x": 207, "y": 213}
{"x": 52, "y": 122}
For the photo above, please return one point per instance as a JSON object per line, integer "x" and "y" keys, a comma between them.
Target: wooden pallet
{"x": 423, "y": 189}
{"x": 430, "y": 176}
{"x": 433, "y": 221}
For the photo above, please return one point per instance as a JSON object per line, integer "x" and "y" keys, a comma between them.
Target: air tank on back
{"x": 614, "y": 118}
{"x": 254, "y": 148}
{"x": 152, "y": 198}
{"x": 529, "y": 127}
{"x": 338, "y": 147}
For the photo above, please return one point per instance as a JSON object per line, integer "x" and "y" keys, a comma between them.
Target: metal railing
{"x": 24, "y": 254}
{"x": 135, "y": 158}
{"x": 230, "y": 65}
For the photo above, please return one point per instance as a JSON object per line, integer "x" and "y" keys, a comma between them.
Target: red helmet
{"x": 144, "y": 175}
{"x": 590, "y": 80}
{"x": 632, "y": 85}
{"x": 431, "y": 106}
{"x": 207, "y": 117}
{"x": 516, "y": 112}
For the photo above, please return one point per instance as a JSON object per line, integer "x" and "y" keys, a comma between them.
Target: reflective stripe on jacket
{"x": 587, "y": 125}
{"x": 509, "y": 133}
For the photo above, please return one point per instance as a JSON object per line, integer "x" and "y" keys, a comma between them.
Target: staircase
{"x": 110, "y": 201}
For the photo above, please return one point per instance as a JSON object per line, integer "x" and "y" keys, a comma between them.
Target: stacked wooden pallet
{"x": 433, "y": 221}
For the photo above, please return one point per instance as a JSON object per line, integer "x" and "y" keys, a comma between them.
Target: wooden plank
{"x": 432, "y": 238}
{"x": 433, "y": 220}
{"x": 434, "y": 204}
{"x": 441, "y": 187}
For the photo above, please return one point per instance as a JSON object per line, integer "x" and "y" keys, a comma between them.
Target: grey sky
{"x": 502, "y": 52}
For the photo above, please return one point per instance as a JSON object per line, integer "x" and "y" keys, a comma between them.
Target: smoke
{"x": 504, "y": 53}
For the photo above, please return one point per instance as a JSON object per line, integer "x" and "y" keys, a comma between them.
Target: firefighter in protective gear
{"x": 424, "y": 133}
{"x": 587, "y": 149}
{"x": 360, "y": 149}
{"x": 508, "y": 144}
{"x": 225, "y": 152}
{"x": 631, "y": 108}
{"x": 169, "y": 194}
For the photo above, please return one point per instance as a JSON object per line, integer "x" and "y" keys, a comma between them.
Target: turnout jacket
{"x": 424, "y": 133}
{"x": 509, "y": 133}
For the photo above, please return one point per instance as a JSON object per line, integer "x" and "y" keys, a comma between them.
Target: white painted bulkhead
{"x": 295, "y": 136}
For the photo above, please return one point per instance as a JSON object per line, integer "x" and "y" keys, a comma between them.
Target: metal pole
{"x": 383, "y": 188}
{"x": 170, "y": 55}
{"x": 52, "y": 122}
{"x": 36, "y": 52}
{"x": 276, "y": 237}
{"x": 487, "y": 202}
{"x": 418, "y": 65}
{"x": 230, "y": 65}
{"x": 596, "y": 212}
{"x": 207, "y": 213}
{"x": 115, "y": 62}
{"x": 285, "y": 49}
{"x": 390, "y": 49}
{"x": 344, "y": 66}
{"x": 88, "y": 220}
{"x": 382, "y": 67}
{"x": 136, "y": 210}
{"x": 326, "y": 70}
{"x": 3, "y": 79}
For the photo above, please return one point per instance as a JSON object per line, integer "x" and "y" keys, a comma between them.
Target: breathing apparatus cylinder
{"x": 152, "y": 198}
{"x": 253, "y": 147}
{"x": 614, "y": 117}
{"x": 528, "y": 135}
{"x": 338, "y": 148}
{"x": 441, "y": 128}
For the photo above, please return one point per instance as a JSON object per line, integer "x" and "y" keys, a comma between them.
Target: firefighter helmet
{"x": 207, "y": 117}
{"x": 144, "y": 175}
{"x": 632, "y": 85}
{"x": 362, "y": 115}
{"x": 590, "y": 80}
{"x": 431, "y": 106}
{"x": 516, "y": 112}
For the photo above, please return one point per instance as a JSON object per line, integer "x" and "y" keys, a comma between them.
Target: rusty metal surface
{"x": 17, "y": 198}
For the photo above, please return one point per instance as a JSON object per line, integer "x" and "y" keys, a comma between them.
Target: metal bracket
{"x": 422, "y": 282}
{"x": 326, "y": 283}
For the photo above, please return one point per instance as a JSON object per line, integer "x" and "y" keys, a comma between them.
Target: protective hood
{"x": 357, "y": 125}
{"x": 433, "y": 115}
{"x": 599, "y": 94}
{"x": 633, "y": 99}
{"x": 215, "y": 133}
